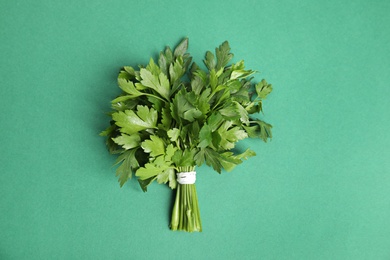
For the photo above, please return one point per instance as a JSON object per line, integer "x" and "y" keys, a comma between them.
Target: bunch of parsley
{"x": 173, "y": 116}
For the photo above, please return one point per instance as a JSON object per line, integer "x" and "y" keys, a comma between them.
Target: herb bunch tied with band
{"x": 173, "y": 116}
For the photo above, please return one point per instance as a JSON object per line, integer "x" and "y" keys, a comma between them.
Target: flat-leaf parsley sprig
{"x": 173, "y": 116}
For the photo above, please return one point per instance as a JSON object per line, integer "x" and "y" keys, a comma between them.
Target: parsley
{"x": 173, "y": 116}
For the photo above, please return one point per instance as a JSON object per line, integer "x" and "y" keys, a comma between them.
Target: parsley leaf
{"x": 159, "y": 83}
{"x": 128, "y": 164}
{"x": 128, "y": 141}
{"x": 223, "y": 55}
{"x": 130, "y": 122}
{"x": 181, "y": 49}
{"x": 129, "y": 88}
{"x": 155, "y": 146}
{"x": 263, "y": 89}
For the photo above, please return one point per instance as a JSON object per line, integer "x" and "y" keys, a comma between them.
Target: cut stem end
{"x": 185, "y": 213}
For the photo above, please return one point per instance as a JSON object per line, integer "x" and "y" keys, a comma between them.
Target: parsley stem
{"x": 185, "y": 213}
{"x": 176, "y": 212}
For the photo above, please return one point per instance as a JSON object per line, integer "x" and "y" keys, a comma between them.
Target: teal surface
{"x": 319, "y": 190}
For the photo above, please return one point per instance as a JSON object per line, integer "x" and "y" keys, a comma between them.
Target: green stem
{"x": 185, "y": 213}
{"x": 176, "y": 212}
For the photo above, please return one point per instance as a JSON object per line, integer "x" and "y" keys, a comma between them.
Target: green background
{"x": 319, "y": 190}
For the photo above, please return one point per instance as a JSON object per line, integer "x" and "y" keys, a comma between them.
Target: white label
{"x": 186, "y": 177}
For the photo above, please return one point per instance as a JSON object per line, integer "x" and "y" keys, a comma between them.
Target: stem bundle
{"x": 185, "y": 213}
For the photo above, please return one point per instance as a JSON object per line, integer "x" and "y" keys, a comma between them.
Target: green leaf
{"x": 152, "y": 67}
{"x": 160, "y": 167}
{"x": 184, "y": 158}
{"x": 254, "y": 107}
{"x": 155, "y": 102}
{"x": 213, "y": 80}
{"x": 223, "y": 55}
{"x": 192, "y": 114}
{"x": 234, "y": 86}
{"x": 230, "y": 112}
{"x": 210, "y": 61}
{"x": 197, "y": 84}
{"x": 108, "y": 131}
{"x": 169, "y": 153}
{"x": 212, "y": 159}
{"x": 203, "y": 101}
{"x": 181, "y": 107}
{"x": 158, "y": 83}
{"x": 127, "y": 73}
{"x": 202, "y": 75}
{"x": 259, "y": 129}
{"x": 128, "y": 141}
{"x": 172, "y": 180}
{"x": 187, "y": 59}
{"x": 125, "y": 170}
{"x": 149, "y": 116}
{"x": 220, "y": 88}
{"x": 235, "y": 134}
{"x": 165, "y": 86}
{"x": 168, "y": 55}
{"x": 165, "y": 176}
{"x": 228, "y": 161}
{"x": 194, "y": 130}
{"x": 128, "y": 87}
{"x": 163, "y": 63}
{"x": 205, "y": 137}
{"x": 181, "y": 48}
{"x": 155, "y": 146}
{"x": 129, "y": 70}
{"x": 168, "y": 175}
{"x": 149, "y": 170}
{"x": 235, "y": 110}
{"x": 216, "y": 140}
{"x": 145, "y": 183}
{"x": 239, "y": 65}
{"x": 241, "y": 95}
{"x": 121, "y": 99}
{"x": 265, "y": 130}
{"x": 242, "y": 112}
{"x": 229, "y": 136}
{"x": 222, "y": 98}
{"x": 131, "y": 123}
{"x": 199, "y": 157}
{"x": 176, "y": 71}
{"x": 139, "y": 86}
{"x": 215, "y": 120}
{"x": 173, "y": 134}
{"x": 166, "y": 119}
{"x": 263, "y": 89}
{"x": 239, "y": 74}
{"x": 245, "y": 155}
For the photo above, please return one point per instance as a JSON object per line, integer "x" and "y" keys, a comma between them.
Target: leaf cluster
{"x": 172, "y": 114}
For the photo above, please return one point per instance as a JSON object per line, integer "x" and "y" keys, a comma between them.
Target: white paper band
{"x": 186, "y": 177}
